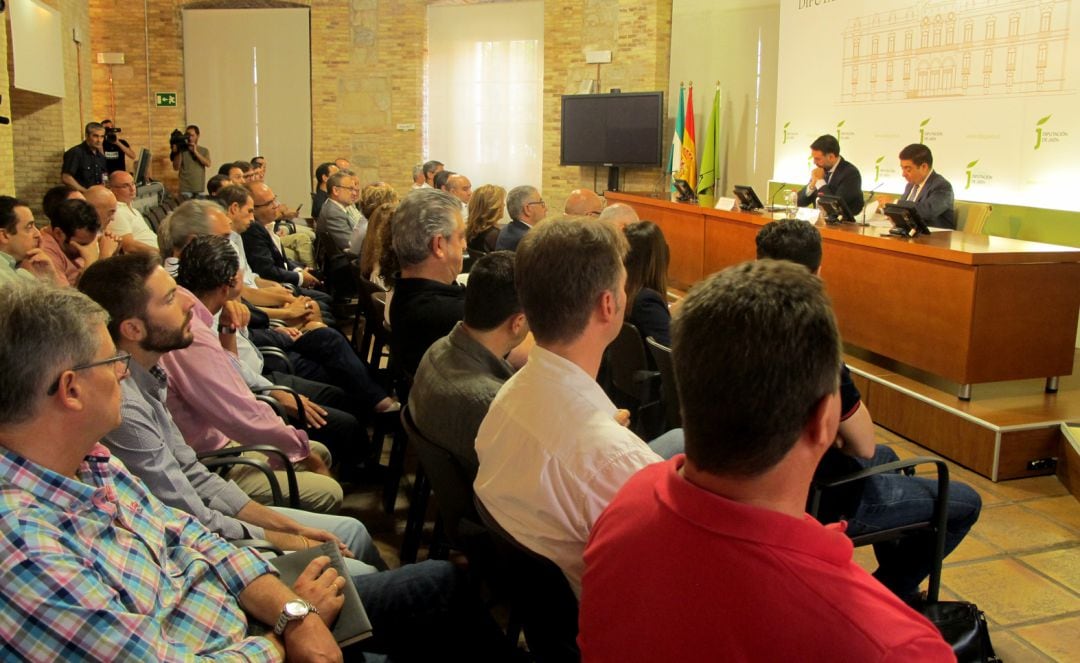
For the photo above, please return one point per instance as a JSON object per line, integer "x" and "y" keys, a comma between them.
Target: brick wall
{"x": 367, "y": 69}
{"x": 44, "y": 126}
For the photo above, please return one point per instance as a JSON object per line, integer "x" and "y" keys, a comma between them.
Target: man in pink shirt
{"x": 72, "y": 240}
{"x": 711, "y": 555}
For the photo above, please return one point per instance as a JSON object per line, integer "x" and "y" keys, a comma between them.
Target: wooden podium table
{"x": 968, "y": 308}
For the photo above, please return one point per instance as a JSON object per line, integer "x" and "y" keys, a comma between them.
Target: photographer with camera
{"x": 84, "y": 164}
{"x": 190, "y": 160}
{"x": 116, "y": 149}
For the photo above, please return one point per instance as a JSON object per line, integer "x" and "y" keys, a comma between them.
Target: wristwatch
{"x": 294, "y": 611}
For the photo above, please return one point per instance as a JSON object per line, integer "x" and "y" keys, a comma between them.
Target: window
{"x": 484, "y": 91}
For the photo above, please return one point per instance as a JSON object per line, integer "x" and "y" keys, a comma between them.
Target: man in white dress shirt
{"x": 552, "y": 453}
{"x": 128, "y": 224}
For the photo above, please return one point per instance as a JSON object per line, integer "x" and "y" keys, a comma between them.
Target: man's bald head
{"x": 584, "y": 202}
{"x": 620, "y": 214}
{"x": 104, "y": 203}
{"x": 122, "y": 184}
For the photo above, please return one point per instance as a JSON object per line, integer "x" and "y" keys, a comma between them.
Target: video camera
{"x": 110, "y": 134}
{"x": 178, "y": 140}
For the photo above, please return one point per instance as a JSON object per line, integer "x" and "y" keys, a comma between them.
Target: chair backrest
{"x": 540, "y": 594}
{"x": 450, "y": 480}
{"x": 626, "y": 356}
{"x": 971, "y": 217}
{"x": 669, "y": 395}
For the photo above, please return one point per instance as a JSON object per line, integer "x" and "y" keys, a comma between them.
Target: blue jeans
{"x": 350, "y": 531}
{"x": 668, "y": 445}
{"x": 892, "y": 500}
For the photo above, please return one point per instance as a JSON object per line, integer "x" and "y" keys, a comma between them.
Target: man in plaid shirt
{"x": 94, "y": 566}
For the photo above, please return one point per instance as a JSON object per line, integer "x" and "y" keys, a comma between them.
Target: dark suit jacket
{"x": 336, "y": 223}
{"x": 264, "y": 257}
{"x": 845, "y": 182}
{"x": 936, "y": 205}
{"x": 510, "y": 236}
{"x": 650, "y": 314}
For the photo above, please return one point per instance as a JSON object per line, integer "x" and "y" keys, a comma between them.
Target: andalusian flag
{"x": 675, "y": 160}
{"x": 710, "y": 156}
{"x": 688, "y": 167}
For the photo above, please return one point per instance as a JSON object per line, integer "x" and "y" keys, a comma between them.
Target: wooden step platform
{"x": 1007, "y": 430}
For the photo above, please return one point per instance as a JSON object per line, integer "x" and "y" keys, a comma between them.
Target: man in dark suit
{"x": 333, "y": 219}
{"x": 931, "y": 193}
{"x": 832, "y": 176}
{"x": 264, "y": 254}
{"x": 526, "y": 209}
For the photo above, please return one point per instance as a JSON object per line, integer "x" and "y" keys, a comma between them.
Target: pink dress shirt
{"x": 68, "y": 268}
{"x": 210, "y": 402}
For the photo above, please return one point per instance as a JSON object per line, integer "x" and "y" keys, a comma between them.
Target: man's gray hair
{"x": 190, "y": 219}
{"x": 44, "y": 331}
{"x": 422, "y": 216}
{"x": 619, "y": 214}
{"x": 338, "y": 178}
{"x": 92, "y": 127}
{"x": 418, "y": 169}
{"x": 515, "y": 200}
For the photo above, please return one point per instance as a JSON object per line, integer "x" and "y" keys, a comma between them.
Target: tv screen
{"x": 623, "y": 129}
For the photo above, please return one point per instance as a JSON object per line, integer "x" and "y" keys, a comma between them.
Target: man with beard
{"x": 148, "y": 319}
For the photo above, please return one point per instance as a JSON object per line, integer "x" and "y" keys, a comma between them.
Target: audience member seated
{"x": 342, "y": 163}
{"x": 459, "y": 186}
{"x": 232, "y": 171}
{"x": 102, "y": 570}
{"x": 209, "y": 269}
{"x": 258, "y": 165}
{"x": 441, "y": 178}
{"x": 371, "y": 198}
{"x": 319, "y": 196}
{"x": 129, "y": 225}
{"x": 214, "y": 184}
{"x": 552, "y": 454}
{"x": 462, "y": 372}
{"x": 147, "y": 320}
{"x": 646, "y": 281}
{"x": 620, "y": 214}
{"x": 583, "y": 202}
{"x": 418, "y": 176}
{"x": 377, "y": 240}
{"x": 428, "y": 234}
{"x": 72, "y": 240}
{"x": 525, "y": 208}
{"x": 485, "y": 212}
{"x": 333, "y": 219}
{"x": 56, "y": 195}
{"x": 84, "y": 165}
{"x": 21, "y": 257}
{"x": 881, "y": 501}
{"x": 264, "y": 250}
{"x": 104, "y": 203}
{"x": 431, "y": 168}
{"x": 713, "y": 551}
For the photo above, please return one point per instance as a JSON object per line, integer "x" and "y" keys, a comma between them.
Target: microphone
{"x": 772, "y": 201}
{"x": 868, "y": 197}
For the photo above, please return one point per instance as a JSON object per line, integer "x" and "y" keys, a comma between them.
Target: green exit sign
{"x": 165, "y": 99}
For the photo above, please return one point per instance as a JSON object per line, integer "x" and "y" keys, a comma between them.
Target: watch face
{"x": 296, "y": 609}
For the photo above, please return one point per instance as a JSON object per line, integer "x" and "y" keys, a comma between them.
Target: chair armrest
{"x": 257, "y": 463}
{"x": 271, "y": 351}
{"x": 290, "y": 471}
{"x": 300, "y": 413}
{"x": 278, "y": 409}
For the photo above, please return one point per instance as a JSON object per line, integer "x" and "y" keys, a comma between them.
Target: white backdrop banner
{"x": 990, "y": 86}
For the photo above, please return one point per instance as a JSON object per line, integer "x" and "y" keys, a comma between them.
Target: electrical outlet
{"x": 1042, "y": 464}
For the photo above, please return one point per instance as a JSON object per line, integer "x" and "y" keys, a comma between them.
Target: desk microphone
{"x": 772, "y": 201}
{"x": 868, "y": 197}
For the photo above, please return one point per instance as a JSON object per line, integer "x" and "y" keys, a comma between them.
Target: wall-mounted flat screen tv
{"x": 623, "y": 129}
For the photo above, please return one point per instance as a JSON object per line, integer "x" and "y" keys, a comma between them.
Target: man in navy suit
{"x": 931, "y": 193}
{"x": 832, "y": 176}
{"x": 526, "y": 209}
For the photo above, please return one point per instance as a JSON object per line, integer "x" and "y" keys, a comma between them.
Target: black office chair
{"x": 632, "y": 382}
{"x": 669, "y": 395}
{"x": 540, "y": 595}
{"x": 936, "y": 524}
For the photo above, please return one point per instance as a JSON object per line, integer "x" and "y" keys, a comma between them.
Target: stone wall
{"x": 367, "y": 71}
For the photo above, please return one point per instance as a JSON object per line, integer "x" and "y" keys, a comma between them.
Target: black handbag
{"x": 963, "y": 626}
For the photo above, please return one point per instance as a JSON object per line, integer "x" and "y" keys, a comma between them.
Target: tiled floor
{"x": 1020, "y": 563}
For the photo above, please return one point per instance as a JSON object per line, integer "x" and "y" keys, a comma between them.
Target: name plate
{"x": 808, "y": 214}
{"x": 727, "y": 204}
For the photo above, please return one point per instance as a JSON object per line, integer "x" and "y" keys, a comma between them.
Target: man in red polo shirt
{"x": 711, "y": 555}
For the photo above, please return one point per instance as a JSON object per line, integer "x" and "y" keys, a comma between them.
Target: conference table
{"x": 969, "y": 308}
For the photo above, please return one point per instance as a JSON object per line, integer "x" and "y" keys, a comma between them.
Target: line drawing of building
{"x": 935, "y": 49}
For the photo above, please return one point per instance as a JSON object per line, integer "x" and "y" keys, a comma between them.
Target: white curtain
{"x": 484, "y": 83}
{"x": 247, "y": 83}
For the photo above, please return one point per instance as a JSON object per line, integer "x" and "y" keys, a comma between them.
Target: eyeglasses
{"x": 120, "y": 362}
{"x": 267, "y": 204}
{"x": 536, "y": 202}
